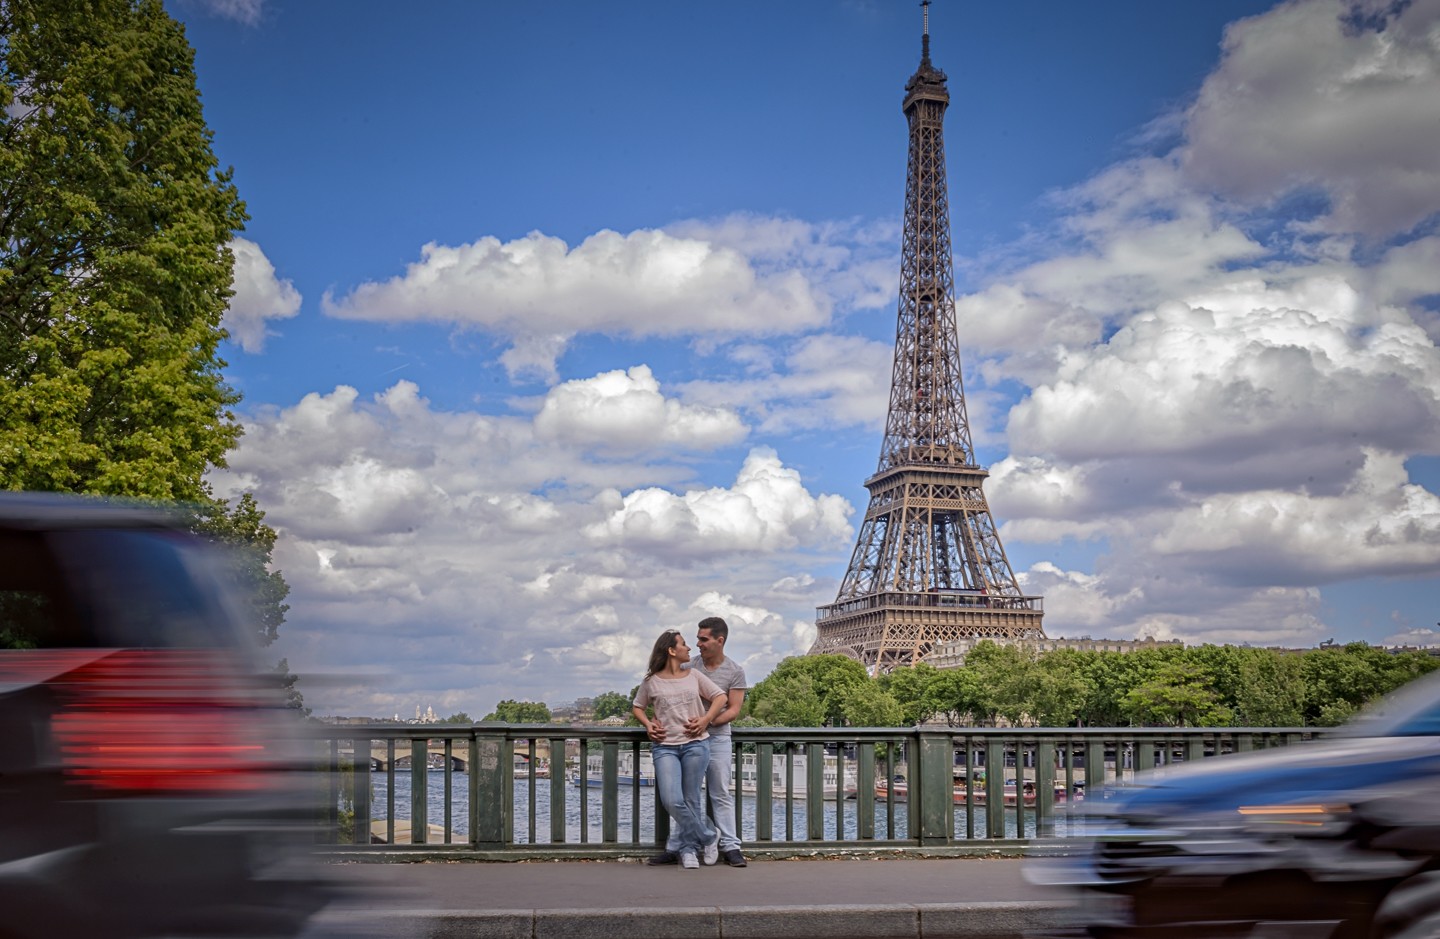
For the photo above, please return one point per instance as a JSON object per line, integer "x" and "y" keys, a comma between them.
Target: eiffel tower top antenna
{"x": 925, "y": 38}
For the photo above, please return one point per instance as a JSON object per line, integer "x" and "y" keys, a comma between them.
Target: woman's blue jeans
{"x": 679, "y": 771}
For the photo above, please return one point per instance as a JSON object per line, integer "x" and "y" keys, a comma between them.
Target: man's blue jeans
{"x": 679, "y": 770}
{"x": 718, "y": 778}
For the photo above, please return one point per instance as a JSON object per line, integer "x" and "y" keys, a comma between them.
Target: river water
{"x": 846, "y": 811}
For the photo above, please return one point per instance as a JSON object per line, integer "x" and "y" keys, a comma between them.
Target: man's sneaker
{"x": 664, "y": 857}
{"x": 734, "y": 858}
{"x": 688, "y": 861}
{"x": 712, "y": 851}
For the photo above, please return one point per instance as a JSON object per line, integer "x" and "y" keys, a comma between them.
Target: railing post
{"x": 969, "y": 787}
{"x": 865, "y": 791}
{"x": 1044, "y": 783}
{"x": 1095, "y": 766}
{"x": 360, "y": 828}
{"x": 815, "y": 791}
{"x": 1144, "y": 754}
{"x": 419, "y": 790}
{"x": 390, "y": 790}
{"x": 557, "y": 793}
{"x": 610, "y": 789}
{"x": 492, "y": 765}
{"x": 994, "y": 788}
{"x": 764, "y": 790}
{"x": 934, "y": 755}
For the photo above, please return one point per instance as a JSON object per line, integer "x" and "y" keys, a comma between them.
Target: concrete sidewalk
{"x": 837, "y": 898}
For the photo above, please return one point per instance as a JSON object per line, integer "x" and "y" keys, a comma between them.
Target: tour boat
{"x": 595, "y": 770}
{"x": 1011, "y": 793}
{"x": 784, "y": 770}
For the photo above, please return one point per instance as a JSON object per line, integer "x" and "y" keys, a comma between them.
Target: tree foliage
{"x": 114, "y": 275}
{"x": 520, "y": 712}
{"x": 1176, "y": 696}
{"x": 1198, "y": 686}
{"x": 786, "y": 700}
{"x": 807, "y": 691}
{"x": 242, "y": 532}
{"x": 612, "y": 704}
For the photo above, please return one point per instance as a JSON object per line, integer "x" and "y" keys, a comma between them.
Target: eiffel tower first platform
{"x": 928, "y": 565}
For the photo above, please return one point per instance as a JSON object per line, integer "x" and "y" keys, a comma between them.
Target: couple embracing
{"x": 693, "y": 702}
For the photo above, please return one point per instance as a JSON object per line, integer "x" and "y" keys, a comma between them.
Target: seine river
{"x": 459, "y": 813}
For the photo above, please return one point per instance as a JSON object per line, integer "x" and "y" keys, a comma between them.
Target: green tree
{"x": 1176, "y": 695}
{"x": 1271, "y": 689}
{"x": 869, "y": 705}
{"x": 833, "y": 678}
{"x": 459, "y": 717}
{"x": 114, "y": 271}
{"x": 1058, "y": 689}
{"x": 242, "y": 532}
{"x": 908, "y": 687}
{"x": 1339, "y": 680}
{"x": 1000, "y": 681}
{"x": 612, "y": 704}
{"x": 520, "y": 712}
{"x": 786, "y": 700}
{"x": 956, "y": 694}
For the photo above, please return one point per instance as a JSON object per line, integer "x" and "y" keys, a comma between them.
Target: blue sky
{"x": 561, "y": 324}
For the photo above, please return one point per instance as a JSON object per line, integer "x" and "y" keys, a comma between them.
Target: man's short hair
{"x": 716, "y": 625}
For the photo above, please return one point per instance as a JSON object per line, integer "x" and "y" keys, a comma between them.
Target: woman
{"x": 677, "y": 694}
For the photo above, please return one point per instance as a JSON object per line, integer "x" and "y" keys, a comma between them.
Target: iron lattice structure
{"x": 928, "y": 565}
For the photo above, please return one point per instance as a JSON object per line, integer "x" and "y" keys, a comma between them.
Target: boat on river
{"x": 595, "y": 770}
{"x": 787, "y": 769}
{"x": 1024, "y": 793}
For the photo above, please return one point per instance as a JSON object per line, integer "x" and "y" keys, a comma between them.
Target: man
{"x": 712, "y": 634}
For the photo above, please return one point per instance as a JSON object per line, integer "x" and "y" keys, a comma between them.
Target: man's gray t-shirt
{"x": 729, "y": 676}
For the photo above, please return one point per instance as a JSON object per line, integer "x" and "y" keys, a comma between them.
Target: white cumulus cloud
{"x": 625, "y": 409}
{"x": 768, "y": 507}
{"x": 1338, "y": 96}
{"x": 260, "y": 296}
{"x": 646, "y": 283}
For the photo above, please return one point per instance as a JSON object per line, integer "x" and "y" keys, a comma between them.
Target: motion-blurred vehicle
{"x": 1336, "y": 838}
{"x": 146, "y": 759}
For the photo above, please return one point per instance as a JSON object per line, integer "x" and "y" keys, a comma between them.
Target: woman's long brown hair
{"x": 660, "y": 653}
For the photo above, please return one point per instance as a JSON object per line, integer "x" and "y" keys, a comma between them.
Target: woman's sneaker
{"x": 712, "y": 850}
{"x": 688, "y": 861}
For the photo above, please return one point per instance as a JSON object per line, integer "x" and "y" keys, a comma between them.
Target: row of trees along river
{"x": 1174, "y": 686}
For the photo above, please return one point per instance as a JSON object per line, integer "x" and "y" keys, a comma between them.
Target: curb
{"x": 997, "y": 920}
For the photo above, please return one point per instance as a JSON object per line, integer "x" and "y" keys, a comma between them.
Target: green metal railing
{"x": 482, "y": 789}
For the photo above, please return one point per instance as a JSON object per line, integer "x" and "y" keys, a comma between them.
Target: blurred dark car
{"x": 1338, "y": 837}
{"x": 146, "y": 758}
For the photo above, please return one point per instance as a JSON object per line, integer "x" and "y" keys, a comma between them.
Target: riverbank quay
{"x": 834, "y": 897}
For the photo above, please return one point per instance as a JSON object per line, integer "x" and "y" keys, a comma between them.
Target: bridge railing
{"x": 483, "y": 790}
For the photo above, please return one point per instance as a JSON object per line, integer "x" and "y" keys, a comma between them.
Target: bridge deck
{"x": 930, "y": 898}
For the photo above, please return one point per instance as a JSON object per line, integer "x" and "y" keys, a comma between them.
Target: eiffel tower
{"x": 928, "y": 565}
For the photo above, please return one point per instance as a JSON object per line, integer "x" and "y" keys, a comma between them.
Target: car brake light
{"x": 161, "y": 722}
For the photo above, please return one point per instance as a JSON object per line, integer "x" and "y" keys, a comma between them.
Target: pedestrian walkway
{"x": 841, "y": 898}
